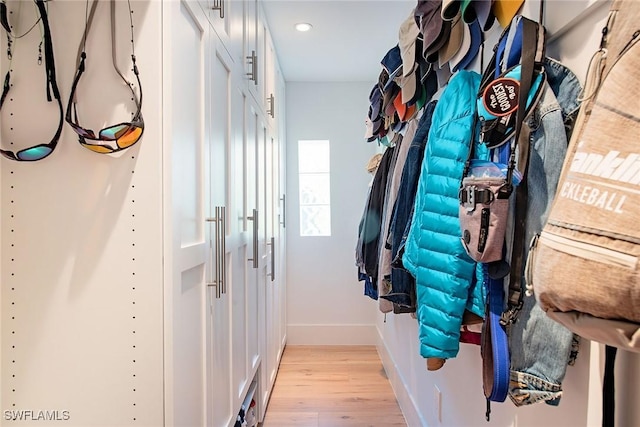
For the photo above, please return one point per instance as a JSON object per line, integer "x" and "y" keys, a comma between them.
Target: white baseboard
{"x": 400, "y": 388}
{"x": 332, "y": 335}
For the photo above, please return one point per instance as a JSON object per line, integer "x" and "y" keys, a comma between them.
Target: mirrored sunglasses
{"x": 114, "y": 138}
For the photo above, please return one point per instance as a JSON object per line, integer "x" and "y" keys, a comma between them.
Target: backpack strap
{"x": 608, "y": 388}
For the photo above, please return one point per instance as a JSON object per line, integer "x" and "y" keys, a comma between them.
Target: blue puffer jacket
{"x": 445, "y": 275}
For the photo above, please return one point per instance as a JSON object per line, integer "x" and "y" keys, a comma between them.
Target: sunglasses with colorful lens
{"x": 40, "y": 151}
{"x": 116, "y": 137}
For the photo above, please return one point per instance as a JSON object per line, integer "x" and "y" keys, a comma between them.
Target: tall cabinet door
{"x": 270, "y": 332}
{"x": 252, "y": 230}
{"x": 219, "y": 322}
{"x": 240, "y": 244}
{"x": 281, "y": 185}
{"x": 186, "y": 37}
{"x": 264, "y": 251}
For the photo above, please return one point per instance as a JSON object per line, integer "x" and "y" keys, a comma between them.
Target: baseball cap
{"x": 377, "y": 126}
{"x": 374, "y": 162}
{"x": 475, "y": 37}
{"x": 409, "y": 87}
{"x": 375, "y": 101}
{"x": 434, "y": 30}
{"x": 392, "y": 63}
{"x": 453, "y": 44}
{"x": 480, "y": 10}
{"x": 450, "y": 9}
{"x": 407, "y": 36}
{"x": 464, "y": 47}
{"x": 388, "y": 95}
{"x": 368, "y": 134}
{"x": 505, "y": 10}
{"x": 404, "y": 111}
{"x": 444, "y": 74}
{"x": 430, "y": 85}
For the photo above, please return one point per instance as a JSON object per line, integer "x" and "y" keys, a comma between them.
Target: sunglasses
{"x": 40, "y": 151}
{"x": 114, "y": 138}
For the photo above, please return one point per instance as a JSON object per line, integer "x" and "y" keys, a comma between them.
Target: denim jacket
{"x": 541, "y": 348}
{"x": 403, "y": 285}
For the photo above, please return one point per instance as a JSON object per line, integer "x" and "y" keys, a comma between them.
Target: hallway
{"x": 332, "y": 386}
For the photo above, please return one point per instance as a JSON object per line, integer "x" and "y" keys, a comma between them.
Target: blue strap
{"x": 499, "y": 343}
{"x": 512, "y": 44}
{"x": 495, "y": 348}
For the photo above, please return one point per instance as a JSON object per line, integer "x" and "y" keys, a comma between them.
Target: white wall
{"x": 326, "y": 304}
{"x": 81, "y": 285}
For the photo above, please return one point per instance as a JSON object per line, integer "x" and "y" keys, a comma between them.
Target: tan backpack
{"x": 583, "y": 267}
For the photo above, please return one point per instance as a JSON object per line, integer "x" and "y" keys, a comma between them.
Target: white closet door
{"x": 187, "y": 240}
{"x": 281, "y": 186}
{"x": 252, "y": 231}
{"x": 238, "y": 247}
{"x": 219, "y": 339}
{"x": 270, "y": 331}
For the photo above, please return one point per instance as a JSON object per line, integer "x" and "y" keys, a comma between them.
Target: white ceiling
{"x": 347, "y": 42}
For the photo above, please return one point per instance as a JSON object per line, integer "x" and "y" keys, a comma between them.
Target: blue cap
{"x": 375, "y": 100}
{"x": 392, "y": 62}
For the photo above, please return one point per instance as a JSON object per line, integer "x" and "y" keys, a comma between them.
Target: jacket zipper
{"x": 588, "y": 251}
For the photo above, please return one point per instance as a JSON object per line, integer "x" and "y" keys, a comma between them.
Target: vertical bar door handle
{"x": 253, "y": 61}
{"x": 215, "y": 282}
{"x": 255, "y": 69}
{"x": 254, "y": 218}
{"x": 271, "y": 108}
{"x": 284, "y": 210}
{"x": 219, "y": 5}
{"x": 273, "y": 259}
{"x": 218, "y": 280}
{"x": 223, "y": 247}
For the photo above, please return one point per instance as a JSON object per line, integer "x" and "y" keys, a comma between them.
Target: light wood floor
{"x": 332, "y": 386}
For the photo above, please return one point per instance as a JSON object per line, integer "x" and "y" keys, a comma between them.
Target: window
{"x": 315, "y": 192}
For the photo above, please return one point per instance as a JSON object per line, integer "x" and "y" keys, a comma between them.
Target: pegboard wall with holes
{"x": 81, "y": 232}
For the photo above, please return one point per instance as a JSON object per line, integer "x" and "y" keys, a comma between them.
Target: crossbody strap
{"x": 532, "y": 53}
{"x": 495, "y": 349}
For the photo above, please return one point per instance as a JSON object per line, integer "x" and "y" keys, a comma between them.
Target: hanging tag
{"x": 500, "y": 97}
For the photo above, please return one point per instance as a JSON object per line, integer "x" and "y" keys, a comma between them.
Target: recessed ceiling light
{"x": 303, "y": 26}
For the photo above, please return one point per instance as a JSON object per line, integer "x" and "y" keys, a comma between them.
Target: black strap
{"x": 48, "y": 53}
{"x": 608, "y": 388}
{"x": 530, "y": 52}
{"x": 82, "y": 56}
{"x": 4, "y": 17}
